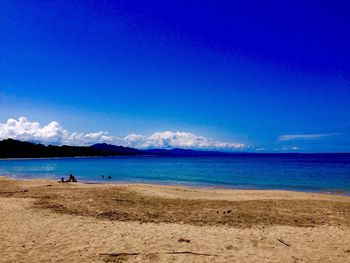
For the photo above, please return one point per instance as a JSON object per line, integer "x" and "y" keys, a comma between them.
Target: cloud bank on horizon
{"x": 54, "y": 133}
{"x": 314, "y": 136}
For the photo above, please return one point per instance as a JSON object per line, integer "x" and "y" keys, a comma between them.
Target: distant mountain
{"x": 110, "y": 149}
{"x": 10, "y": 148}
{"x": 182, "y": 152}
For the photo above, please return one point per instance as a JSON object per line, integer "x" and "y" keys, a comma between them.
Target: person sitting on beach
{"x": 72, "y": 179}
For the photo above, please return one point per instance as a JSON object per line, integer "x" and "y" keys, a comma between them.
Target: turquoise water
{"x": 327, "y": 172}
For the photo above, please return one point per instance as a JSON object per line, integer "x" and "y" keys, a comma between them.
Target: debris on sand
{"x": 283, "y": 242}
{"x": 184, "y": 240}
{"x": 158, "y": 253}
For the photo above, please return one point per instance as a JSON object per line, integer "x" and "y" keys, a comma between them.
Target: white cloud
{"x": 291, "y": 137}
{"x": 26, "y": 130}
{"x": 54, "y": 133}
{"x": 286, "y": 149}
{"x": 290, "y": 148}
{"x": 169, "y": 139}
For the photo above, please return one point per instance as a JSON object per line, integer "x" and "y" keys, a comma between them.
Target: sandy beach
{"x": 48, "y": 221}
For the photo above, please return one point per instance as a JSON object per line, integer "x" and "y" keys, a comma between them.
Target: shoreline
{"x": 176, "y": 187}
{"x": 190, "y": 186}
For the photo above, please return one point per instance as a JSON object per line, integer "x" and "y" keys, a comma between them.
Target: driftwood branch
{"x": 189, "y": 253}
{"x": 15, "y": 192}
{"x": 119, "y": 254}
{"x": 158, "y": 253}
{"x": 283, "y": 242}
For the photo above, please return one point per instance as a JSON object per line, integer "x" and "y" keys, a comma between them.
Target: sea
{"x": 300, "y": 172}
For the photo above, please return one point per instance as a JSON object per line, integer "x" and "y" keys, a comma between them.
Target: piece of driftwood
{"x": 184, "y": 240}
{"x": 189, "y": 253}
{"x": 119, "y": 254}
{"x": 283, "y": 242}
{"x": 158, "y": 253}
{"x": 15, "y": 192}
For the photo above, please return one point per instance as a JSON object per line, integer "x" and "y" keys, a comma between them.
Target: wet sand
{"x": 47, "y": 221}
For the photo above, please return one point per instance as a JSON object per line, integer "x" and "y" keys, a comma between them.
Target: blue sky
{"x": 247, "y": 72}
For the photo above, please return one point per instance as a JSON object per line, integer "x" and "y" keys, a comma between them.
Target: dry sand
{"x": 47, "y": 221}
